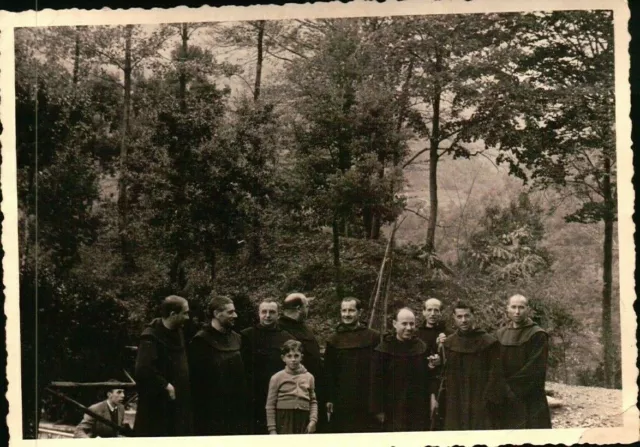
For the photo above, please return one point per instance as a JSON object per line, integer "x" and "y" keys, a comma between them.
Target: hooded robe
{"x": 220, "y": 398}
{"x": 474, "y": 381}
{"x": 524, "y": 353}
{"x": 399, "y": 384}
{"x": 162, "y": 359}
{"x": 348, "y": 365}
{"x": 261, "y": 357}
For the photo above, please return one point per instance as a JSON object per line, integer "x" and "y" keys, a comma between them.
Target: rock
{"x": 554, "y": 403}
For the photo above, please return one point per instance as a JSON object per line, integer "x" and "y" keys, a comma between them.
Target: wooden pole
{"x": 396, "y": 225}
{"x": 386, "y": 298}
{"x": 129, "y": 376}
{"x": 380, "y": 276}
{"x": 388, "y": 285}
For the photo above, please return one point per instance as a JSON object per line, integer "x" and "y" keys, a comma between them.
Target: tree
{"x": 183, "y": 80}
{"x": 457, "y": 61}
{"x": 347, "y": 132}
{"x": 565, "y": 135}
{"x": 126, "y": 48}
{"x": 262, "y": 38}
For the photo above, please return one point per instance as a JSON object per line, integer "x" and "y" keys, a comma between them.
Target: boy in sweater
{"x": 291, "y": 402}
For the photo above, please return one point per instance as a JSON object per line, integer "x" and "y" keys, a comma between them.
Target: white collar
{"x": 110, "y": 406}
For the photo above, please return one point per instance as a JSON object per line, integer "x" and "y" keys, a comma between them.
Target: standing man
{"x": 475, "y": 385}
{"x": 220, "y": 398}
{"x": 348, "y": 364}
{"x": 110, "y": 409}
{"x": 399, "y": 374}
{"x": 433, "y": 334}
{"x": 162, "y": 375}
{"x": 295, "y": 310}
{"x": 261, "y": 357}
{"x": 524, "y": 348}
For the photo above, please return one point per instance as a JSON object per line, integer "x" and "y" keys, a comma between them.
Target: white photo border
{"x": 629, "y": 432}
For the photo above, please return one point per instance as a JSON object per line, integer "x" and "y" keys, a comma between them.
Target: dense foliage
{"x": 150, "y": 164}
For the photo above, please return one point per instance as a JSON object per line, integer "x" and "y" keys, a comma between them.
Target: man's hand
{"x": 380, "y": 417}
{"x": 434, "y": 360}
{"x": 434, "y": 403}
{"x": 329, "y": 407}
{"x": 441, "y": 338}
{"x": 311, "y": 428}
{"x": 172, "y": 391}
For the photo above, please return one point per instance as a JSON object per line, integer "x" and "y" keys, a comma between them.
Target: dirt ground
{"x": 585, "y": 406}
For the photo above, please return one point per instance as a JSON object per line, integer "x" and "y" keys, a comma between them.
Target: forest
{"x": 387, "y": 158}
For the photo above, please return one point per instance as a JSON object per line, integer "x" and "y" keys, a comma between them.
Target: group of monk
{"x": 272, "y": 378}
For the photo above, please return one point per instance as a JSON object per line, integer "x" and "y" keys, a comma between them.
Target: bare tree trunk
{"x": 256, "y": 89}
{"x": 387, "y": 292}
{"x": 367, "y": 222}
{"x": 212, "y": 265}
{"x": 564, "y": 360}
{"x": 607, "y": 276}
{"x": 177, "y": 275}
{"x": 336, "y": 256}
{"x": 255, "y": 240}
{"x": 184, "y": 34}
{"x": 76, "y": 57}
{"x": 123, "y": 205}
{"x": 433, "y": 174}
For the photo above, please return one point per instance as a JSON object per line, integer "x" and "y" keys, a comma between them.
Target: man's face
{"x": 227, "y": 316}
{"x": 517, "y": 309}
{"x": 432, "y": 312}
{"x": 463, "y": 318}
{"x": 183, "y": 316}
{"x": 405, "y": 325}
{"x": 115, "y": 396}
{"x": 349, "y": 314}
{"x": 268, "y": 313}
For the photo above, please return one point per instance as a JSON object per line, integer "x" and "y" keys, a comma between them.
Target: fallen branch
{"x": 112, "y": 385}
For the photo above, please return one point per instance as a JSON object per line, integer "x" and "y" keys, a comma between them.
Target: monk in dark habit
{"x": 348, "y": 364}
{"x": 473, "y": 374}
{"x": 399, "y": 377}
{"x": 220, "y": 397}
{"x": 433, "y": 333}
{"x": 261, "y": 357}
{"x": 162, "y": 375}
{"x": 295, "y": 311}
{"x": 524, "y": 350}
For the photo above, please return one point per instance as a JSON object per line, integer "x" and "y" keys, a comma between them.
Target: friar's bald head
{"x": 518, "y": 309}
{"x": 432, "y": 312}
{"x": 405, "y": 324}
{"x": 174, "y": 311}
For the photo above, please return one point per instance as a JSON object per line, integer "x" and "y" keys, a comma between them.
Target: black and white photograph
{"x": 368, "y": 220}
